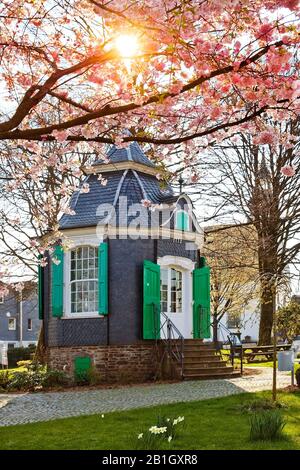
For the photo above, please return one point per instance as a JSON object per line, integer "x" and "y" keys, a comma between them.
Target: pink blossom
{"x": 119, "y": 141}
{"x": 175, "y": 88}
{"x": 102, "y": 180}
{"x": 265, "y": 31}
{"x": 60, "y": 136}
{"x": 265, "y": 138}
{"x": 3, "y": 291}
{"x": 288, "y": 170}
{"x": 85, "y": 188}
{"x": 69, "y": 211}
{"x": 43, "y": 262}
{"x": 146, "y": 203}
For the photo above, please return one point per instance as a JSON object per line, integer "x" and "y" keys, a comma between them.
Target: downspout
{"x": 155, "y": 250}
{"x": 108, "y": 287}
{"x": 21, "y": 319}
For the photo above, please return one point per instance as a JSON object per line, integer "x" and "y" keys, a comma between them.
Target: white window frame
{"x": 15, "y": 324}
{"x": 29, "y": 319}
{"x": 77, "y": 242}
{"x": 169, "y": 289}
{"x": 184, "y": 320}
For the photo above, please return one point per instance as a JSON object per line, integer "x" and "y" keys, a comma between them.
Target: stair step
{"x": 196, "y": 341}
{"x": 202, "y": 360}
{"x": 204, "y": 357}
{"x": 204, "y": 365}
{"x": 206, "y": 370}
{"x": 192, "y": 347}
{"x": 212, "y": 376}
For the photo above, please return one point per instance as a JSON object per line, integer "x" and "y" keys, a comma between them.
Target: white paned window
{"x": 171, "y": 290}
{"x": 84, "y": 280}
{"x": 12, "y": 324}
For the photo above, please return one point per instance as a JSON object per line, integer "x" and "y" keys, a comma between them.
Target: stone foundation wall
{"x": 125, "y": 363}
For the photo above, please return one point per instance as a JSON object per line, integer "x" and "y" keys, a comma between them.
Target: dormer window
{"x": 182, "y": 220}
{"x": 84, "y": 280}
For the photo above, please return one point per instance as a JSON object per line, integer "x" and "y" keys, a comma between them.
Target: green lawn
{"x": 212, "y": 424}
{"x": 260, "y": 364}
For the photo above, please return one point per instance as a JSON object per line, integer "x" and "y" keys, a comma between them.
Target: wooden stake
{"x": 274, "y": 387}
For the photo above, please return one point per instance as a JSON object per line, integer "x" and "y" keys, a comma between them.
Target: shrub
{"x": 34, "y": 377}
{"x": 28, "y": 380}
{"x": 266, "y": 426}
{"x": 88, "y": 377}
{"x": 298, "y": 377}
{"x": 93, "y": 376}
{"x": 4, "y": 379}
{"x": 15, "y": 355}
{"x": 55, "y": 377}
{"x": 25, "y": 364}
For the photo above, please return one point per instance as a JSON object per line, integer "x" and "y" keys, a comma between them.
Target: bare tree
{"x": 243, "y": 181}
{"x": 231, "y": 255}
{"x": 32, "y": 206}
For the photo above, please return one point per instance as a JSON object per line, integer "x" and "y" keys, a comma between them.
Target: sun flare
{"x": 127, "y": 45}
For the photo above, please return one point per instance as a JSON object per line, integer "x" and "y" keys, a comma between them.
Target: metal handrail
{"x": 170, "y": 337}
{"x": 236, "y": 350}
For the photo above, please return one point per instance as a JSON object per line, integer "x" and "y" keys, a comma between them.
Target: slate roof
{"x": 131, "y": 153}
{"x": 135, "y": 186}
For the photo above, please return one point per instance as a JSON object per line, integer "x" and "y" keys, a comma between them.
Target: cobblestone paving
{"x": 29, "y": 408}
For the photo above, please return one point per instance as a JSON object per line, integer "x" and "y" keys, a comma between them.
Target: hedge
{"x": 15, "y": 355}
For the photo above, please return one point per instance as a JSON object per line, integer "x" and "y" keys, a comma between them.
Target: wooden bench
{"x": 250, "y": 353}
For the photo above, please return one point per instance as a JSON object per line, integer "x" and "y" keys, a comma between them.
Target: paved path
{"x": 29, "y": 408}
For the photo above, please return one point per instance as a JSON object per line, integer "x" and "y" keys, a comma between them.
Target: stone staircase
{"x": 201, "y": 361}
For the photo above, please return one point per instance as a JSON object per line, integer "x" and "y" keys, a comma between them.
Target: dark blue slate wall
{"x": 69, "y": 332}
{"x": 126, "y": 258}
{"x": 123, "y": 324}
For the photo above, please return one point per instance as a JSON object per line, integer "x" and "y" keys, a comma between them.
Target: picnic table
{"x": 251, "y": 352}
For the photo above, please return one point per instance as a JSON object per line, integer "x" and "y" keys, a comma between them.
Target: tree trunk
{"x": 266, "y": 314}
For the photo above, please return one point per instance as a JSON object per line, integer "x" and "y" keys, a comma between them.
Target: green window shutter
{"x": 151, "y": 301}
{"x": 201, "y": 302}
{"x": 182, "y": 220}
{"x": 57, "y": 278}
{"x": 41, "y": 290}
{"x": 103, "y": 279}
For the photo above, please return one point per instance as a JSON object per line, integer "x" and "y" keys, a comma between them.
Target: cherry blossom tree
{"x": 199, "y": 68}
{"x": 178, "y": 73}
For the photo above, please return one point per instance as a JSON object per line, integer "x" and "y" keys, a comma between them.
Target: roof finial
{"x": 180, "y": 181}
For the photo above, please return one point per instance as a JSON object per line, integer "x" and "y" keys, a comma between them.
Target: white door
{"x": 175, "y": 285}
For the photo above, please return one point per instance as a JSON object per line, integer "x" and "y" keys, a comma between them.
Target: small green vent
{"x": 82, "y": 366}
